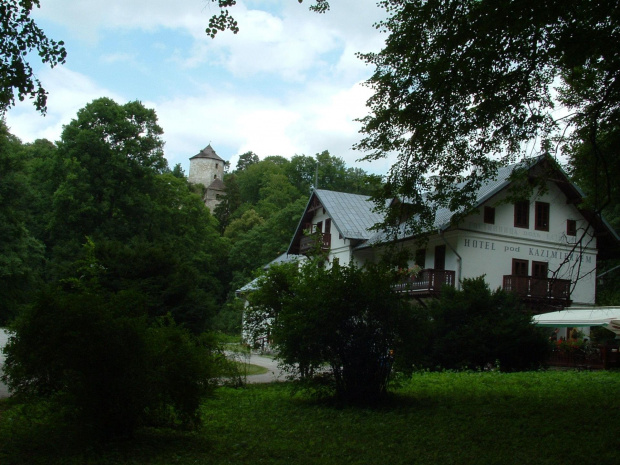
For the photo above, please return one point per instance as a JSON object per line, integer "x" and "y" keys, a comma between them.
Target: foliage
{"x": 476, "y": 328}
{"x": 20, "y": 37}
{"x": 108, "y": 180}
{"x": 21, "y": 254}
{"x": 442, "y": 417}
{"x": 224, "y": 21}
{"x": 95, "y": 356}
{"x": 464, "y": 86}
{"x": 343, "y": 316}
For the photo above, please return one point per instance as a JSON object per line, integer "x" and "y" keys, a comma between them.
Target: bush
{"x": 96, "y": 356}
{"x": 344, "y": 317}
{"x": 475, "y": 328}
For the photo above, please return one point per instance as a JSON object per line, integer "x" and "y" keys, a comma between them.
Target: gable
{"x": 351, "y": 215}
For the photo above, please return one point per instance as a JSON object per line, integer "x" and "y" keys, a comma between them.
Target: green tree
{"x": 20, "y": 37}
{"x": 464, "y": 86}
{"x": 343, "y": 316}
{"x": 107, "y": 160}
{"x": 110, "y": 182}
{"x": 21, "y": 254}
{"x": 229, "y": 203}
{"x": 245, "y": 160}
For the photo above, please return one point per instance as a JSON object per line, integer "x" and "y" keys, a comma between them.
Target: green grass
{"x": 249, "y": 369}
{"x": 435, "y": 418}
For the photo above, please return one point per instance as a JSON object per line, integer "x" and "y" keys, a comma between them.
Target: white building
{"x": 544, "y": 249}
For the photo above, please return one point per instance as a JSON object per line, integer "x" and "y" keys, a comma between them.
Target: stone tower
{"x": 207, "y": 168}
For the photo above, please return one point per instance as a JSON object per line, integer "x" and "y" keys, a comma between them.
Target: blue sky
{"x": 289, "y": 83}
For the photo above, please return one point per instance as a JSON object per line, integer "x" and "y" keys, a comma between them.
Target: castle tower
{"x": 207, "y": 168}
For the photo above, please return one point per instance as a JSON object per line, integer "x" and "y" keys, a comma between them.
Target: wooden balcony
{"x": 427, "y": 283}
{"x": 555, "y": 292}
{"x": 309, "y": 242}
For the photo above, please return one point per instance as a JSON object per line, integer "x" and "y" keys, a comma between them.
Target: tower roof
{"x": 207, "y": 152}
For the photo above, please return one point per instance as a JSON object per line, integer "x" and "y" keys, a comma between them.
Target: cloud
{"x": 68, "y": 92}
{"x": 287, "y": 84}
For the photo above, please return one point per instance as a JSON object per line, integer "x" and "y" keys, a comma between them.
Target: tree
{"x": 110, "y": 183}
{"x": 21, "y": 254}
{"x": 245, "y": 160}
{"x": 464, "y": 86}
{"x": 107, "y": 160}
{"x": 343, "y": 316}
{"x": 21, "y": 36}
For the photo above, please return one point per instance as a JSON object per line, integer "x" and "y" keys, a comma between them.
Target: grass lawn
{"x": 249, "y": 369}
{"x": 435, "y": 418}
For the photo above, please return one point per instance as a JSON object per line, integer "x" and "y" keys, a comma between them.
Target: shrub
{"x": 344, "y": 317}
{"x": 97, "y": 356}
{"x": 475, "y": 327}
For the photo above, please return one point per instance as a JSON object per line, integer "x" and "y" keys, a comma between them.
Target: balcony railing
{"x": 427, "y": 282}
{"x": 544, "y": 289}
{"x": 309, "y": 242}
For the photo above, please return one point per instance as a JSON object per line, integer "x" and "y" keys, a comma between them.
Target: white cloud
{"x": 287, "y": 84}
{"x": 68, "y": 92}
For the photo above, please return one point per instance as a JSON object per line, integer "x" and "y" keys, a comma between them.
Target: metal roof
{"x": 352, "y": 214}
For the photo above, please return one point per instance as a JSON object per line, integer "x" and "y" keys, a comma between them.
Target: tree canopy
{"x": 464, "y": 86}
{"x": 21, "y": 36}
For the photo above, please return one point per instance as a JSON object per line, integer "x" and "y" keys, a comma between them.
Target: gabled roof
{"x": 352, "y": 215}
{"x": 541, "y": 165}
{"x": 207, "y": 152}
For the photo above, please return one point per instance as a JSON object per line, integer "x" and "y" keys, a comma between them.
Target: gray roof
{"x": 443, "y": 215}
{"x": 284, "y": 258}
{"x": 217, "y": 185}
{"x": 352, "y": 214}
{"x": 207, "y": 152}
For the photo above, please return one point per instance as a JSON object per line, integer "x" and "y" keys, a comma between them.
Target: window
{"x": 539, "y": 269}
{"x": 440, "y": 257}
{"x": 522, "y": 214}
{"x": 489, "y": 215}
{"x": 216, "y": 166}
{"x": 519, "y": 267}
{"x": 319, "y": 227}
{"x": 571, "y": 227}
{"x": 420, "y": 257}
{"x": 542, "y": 216}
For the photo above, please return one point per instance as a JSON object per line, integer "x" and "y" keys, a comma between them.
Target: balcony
{"x": 554, "y": 292}
{"x": 427, "y": 283}
{"x": 311, "y": 241}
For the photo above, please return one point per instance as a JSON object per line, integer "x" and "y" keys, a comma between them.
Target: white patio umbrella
{"x": 607, "y": 317}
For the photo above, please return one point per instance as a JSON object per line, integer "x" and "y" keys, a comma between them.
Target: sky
{"x": 288, "y": 83}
